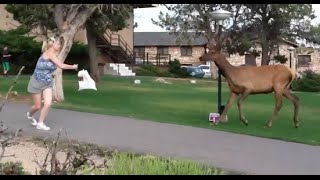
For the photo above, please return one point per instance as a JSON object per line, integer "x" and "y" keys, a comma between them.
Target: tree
{"x": 97, "y": 24}
{"x": 274, "y": 21}
{"x": 68, "y": 19}
{"x": 250, "y": 23}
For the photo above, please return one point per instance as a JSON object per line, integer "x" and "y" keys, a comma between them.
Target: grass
{"x": 130, "y": 164}
{"x": 121, "y": 163}
{"x": 188, "y": 104}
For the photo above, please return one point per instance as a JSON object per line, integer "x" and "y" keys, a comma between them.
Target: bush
{"x": 26, "y": 51}
{"x": 280, "y": 58}
{"x": 175, "y": 68}
{"x": 11, "y": 168}
{"x": 310, "y": 82}
{"x": 151, "y": 70}
{"x": 78, "y": 54}
{"x": 131, "y": 164}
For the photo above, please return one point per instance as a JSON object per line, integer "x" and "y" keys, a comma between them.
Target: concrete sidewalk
{"x": 242, "y": 153}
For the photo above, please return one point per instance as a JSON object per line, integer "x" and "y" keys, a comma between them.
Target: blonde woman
{"x": 41, "y": 81}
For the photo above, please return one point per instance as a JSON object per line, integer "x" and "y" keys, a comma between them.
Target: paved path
{"x": 251, "y": 155}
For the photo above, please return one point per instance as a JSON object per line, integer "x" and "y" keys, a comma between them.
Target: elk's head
{"x": 214, "y": 48}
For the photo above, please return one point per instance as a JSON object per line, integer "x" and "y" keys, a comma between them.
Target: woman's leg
{"x": 36, "y": 106}
{"x": 47, "y": 97}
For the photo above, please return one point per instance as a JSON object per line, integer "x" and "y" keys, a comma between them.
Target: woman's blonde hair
{"x": 48, "y": 43}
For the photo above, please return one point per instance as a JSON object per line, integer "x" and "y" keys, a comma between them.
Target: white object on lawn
{"x": 137, "y": 81}
{"x": 85, "y": 81}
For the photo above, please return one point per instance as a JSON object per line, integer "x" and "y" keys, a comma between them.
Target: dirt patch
{"x": 28, "y": 151}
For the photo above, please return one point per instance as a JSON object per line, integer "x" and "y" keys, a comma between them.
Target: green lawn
{"x": 188, "y": 104}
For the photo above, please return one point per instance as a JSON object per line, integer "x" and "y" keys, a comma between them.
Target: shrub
{"x": 26, "y": 51}
{"x": 280, "y": 58}
{"x": 175, "y": 68}
{"x": 310, "y": 82}
{"x": 11, "y": 168}
{"x": 78, "y": 54}
{"x": 151, "y": 70}
{"x": 145, "y": 72}
{"x": 131, "y": 164}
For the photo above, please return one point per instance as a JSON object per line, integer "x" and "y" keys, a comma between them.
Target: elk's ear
{"x": 217, "y": 47}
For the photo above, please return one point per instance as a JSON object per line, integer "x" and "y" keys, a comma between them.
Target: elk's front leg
{"x": 231, "y": 99}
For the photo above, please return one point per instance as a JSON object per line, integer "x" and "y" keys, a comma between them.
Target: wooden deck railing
{"x": 117, "y": 40}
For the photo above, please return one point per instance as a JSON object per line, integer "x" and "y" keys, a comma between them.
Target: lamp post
{"x": 290, "y": 49}
{"x": 219, "y": 15}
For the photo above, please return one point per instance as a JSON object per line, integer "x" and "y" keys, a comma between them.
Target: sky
{"x": 143, "y": 18}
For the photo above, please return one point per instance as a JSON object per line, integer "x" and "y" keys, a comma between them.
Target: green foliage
{"x": 281, "y": 59}
{"x": 24, "y": 50}
{"x": 108, "y": 18}
{"x": 249, "y": 23}
{"x": 130, "y": 164}
{"x": 310, "y": 82}
{"x": 11, "y": 168}
{"x": 78, "y": 55}
{"x": 175, "y": 68}
{"x": 151, "y": 70}
{"x": 33, "y": 15}
{"x": 242, "y": 46}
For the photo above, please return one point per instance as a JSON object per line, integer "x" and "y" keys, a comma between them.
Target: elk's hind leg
{"x": 295, "y": 101}
{"x": 278, "y": 98}
{"x": 239, "y": 103}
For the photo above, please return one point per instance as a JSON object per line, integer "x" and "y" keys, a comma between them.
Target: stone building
{"x": 159, "y": 47}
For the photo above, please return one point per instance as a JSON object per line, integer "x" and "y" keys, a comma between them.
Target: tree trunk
{"x": 94, "y": 72}
{"x": 265, "y": 59}
{"x": 68, "y": 24}
{"x": 58, "y": 83}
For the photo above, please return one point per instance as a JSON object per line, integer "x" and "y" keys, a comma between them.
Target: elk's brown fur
{"x": 247, "y": 80}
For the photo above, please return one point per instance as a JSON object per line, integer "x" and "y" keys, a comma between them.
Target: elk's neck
{"x": 224, "y": 66}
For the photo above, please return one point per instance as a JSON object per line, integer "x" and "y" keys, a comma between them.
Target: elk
{"x": 250, "y": 80}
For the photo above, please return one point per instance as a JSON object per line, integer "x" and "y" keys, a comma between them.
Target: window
{"x": 275, "y": 50}
{"x": 162, "y": 50}
{"x": 139, "y": 51}
{"x": 304, "y": 60}
{"x": 186, "y": 51}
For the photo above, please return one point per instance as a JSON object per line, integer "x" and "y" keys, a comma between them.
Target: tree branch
{"x": 72, "y": 13}
{"x": 83, "y": 15}
{"x": 58, "y": 16}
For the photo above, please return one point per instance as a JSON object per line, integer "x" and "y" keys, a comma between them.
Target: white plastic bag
{"x": 85, "y": 81}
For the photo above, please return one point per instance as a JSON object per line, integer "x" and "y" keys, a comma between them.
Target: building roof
{"x": 164, "y": 39}
{"x": 170, "y": 39}
{"x": 290, "y": 42}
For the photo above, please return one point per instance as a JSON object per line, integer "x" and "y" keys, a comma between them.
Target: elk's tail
{"x": 294, "y": 76}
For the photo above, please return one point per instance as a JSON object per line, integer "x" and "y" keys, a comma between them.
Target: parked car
{"x": 206, "y": 70}
{"x": 194, "y": 71}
